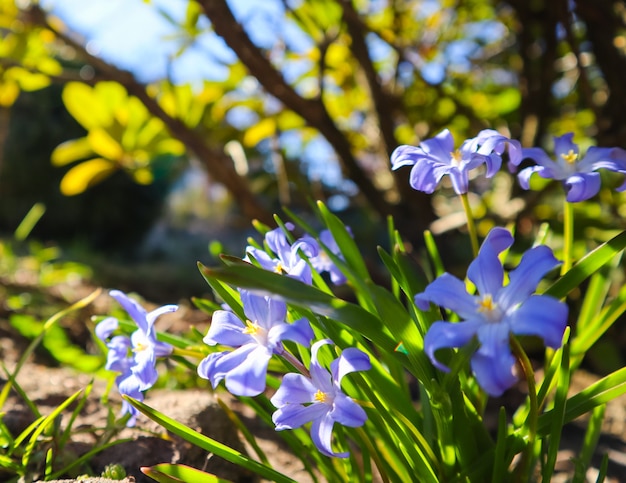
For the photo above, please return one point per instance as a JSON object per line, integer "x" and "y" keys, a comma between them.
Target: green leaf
{"x": 587, "y": 266}
{"x": 170, "y": 473}
{"x": 600, "y": 392}
{"x": 43, "y": 425}
{"x": 345, "y": 242}
{"x": 209, "y": 444}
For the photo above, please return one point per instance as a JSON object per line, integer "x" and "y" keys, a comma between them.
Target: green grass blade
{"x": 558, "y": 414}
{"x": 592, "y": 435}
{"x": 587, "y": 266}
{"x": 171, "y": 473}
{"x": 209, "y": 444}
{"x": 345, "y": 242}
{"x": 43, "y": 425}
{"x": 600, "y": 392}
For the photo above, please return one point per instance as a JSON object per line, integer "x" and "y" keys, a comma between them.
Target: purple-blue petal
{"x": 227, "y": 329}
{"x": 443, "y": 335}
{"x": 459, "y": 179}
{"x": 263, "y": 310}
{"x": 405, "y": 156}
{"x": 600, "y": 158}
{"x": 321, "y": 434}
{"x": 308, "y": 245}
{"x": 300, "y": 332}
{"x": 347, "y": 412}
{"x": 106, "y": 327}
{"x": 249, "y": 377}
{"x": 540, "y": 157}
{"x": 542, "y": 316}
{"x": 486, "y": 270}
{"x": 294, "y": 389}
{"x": 524, "y": 175}
{"x": 132, "y": 308}
{"x": 424, "y": 177}
{"x": 144, "y": 368}
{"x": 301, "y": 270}
{"x": 215, "y": 366}
{"x": 493, "y": 364}
{"x": 523, "y": 280}
{"x": 277, "y": 242}
{"x": 319, "y": 375}
{"x": 582, "y": 186}
{"x": 265, "y": 261}
{"x": 292, "y": 416}
{"x": 350, "y": 360}
{"x": 440, "y": 147}
{"x": 449, "y": 292}
{"x": 156, "y": 313}
{"x": 564, "y": 144}
{"x": 494, "y": 374}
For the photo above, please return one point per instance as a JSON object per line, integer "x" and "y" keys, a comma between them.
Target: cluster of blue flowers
{"x": 436, "y": 157}
{"x": 314, "y": 395}
{"x": 491, "y": 314}
{"x": 134, "y": 357}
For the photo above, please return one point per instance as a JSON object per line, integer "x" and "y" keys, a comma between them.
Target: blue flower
{"x": 256, "y": 339}
{"x": 577, "y": 173}
{"x": 288, "y": 260}
{"x": 496, "y": 312}
{"x": 436, "y": 157}
{"x": 320, "y": 399}
{"x": 323, "y": 263}
{"x": 134, "y": 357}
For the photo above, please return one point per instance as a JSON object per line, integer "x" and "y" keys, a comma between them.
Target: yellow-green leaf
{"x": 80, "y": 101}
{"x": 261, "y": 130}
{"x": 86, "y": 174}
{"x": 104, "y": 144}
{"x": 70, "y": 151}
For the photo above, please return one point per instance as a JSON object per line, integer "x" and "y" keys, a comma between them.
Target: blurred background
{"x": 149, "y": 134}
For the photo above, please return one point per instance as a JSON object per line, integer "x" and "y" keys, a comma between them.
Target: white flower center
{"x": 489, "y": 309}
{"x": 256, "y": 331}
{"x": 456, "y": 157}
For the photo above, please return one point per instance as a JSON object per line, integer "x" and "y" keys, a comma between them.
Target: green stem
{"x": 177, "y": 351}
{"x": 568, "y": 236}
{"x": 296, "y": 363}
{"x": 533, "y": 413}
{"x": 471, "y": 226}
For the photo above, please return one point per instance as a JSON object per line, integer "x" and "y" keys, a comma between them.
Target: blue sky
{"x": 135, "y": 36}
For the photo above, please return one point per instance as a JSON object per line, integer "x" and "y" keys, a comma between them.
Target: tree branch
{"x": 312, "y": 111}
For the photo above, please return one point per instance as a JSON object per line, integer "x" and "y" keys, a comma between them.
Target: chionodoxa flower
{"x": 577, "y": 173}
{"x": 256, "y": 340}
{"x": 496, "y": 312}
{"x": 319, "y": 399}
{"x": 134, "y": 357}
{"x": 436, "y": 157}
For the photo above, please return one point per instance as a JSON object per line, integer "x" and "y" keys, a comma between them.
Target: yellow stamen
{"x": 140, "y": 347}
{"x": 320, "y": 396}
{"x": 456, "y": 156}
{"x": 280, "y": 268}
{"x": 252, "y": 328}
{"x": 486, "y": 304}
{"x": 570, "y": 157}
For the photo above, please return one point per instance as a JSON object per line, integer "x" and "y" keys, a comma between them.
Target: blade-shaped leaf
{"x": 170, "y": 473}
{"x": 209, "y": 444}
